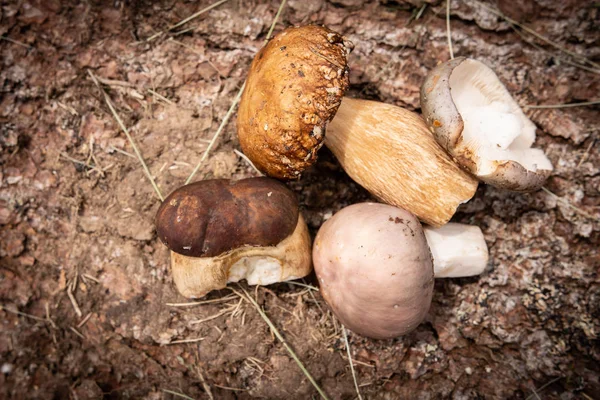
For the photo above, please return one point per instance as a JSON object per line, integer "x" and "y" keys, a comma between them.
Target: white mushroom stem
{"x": 458, "y": 250}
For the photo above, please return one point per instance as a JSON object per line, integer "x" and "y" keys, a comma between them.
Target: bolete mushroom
{"x": 294, "y": 88}
{"x": 222, "y": 231}
{"x": 375, "y": 267}
{"x": 476, "y": 120}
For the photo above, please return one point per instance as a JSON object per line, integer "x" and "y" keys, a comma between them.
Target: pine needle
{"x": 568, "y": 204}
{"x": 129, "y": 137}
{"x": 351, "y": 363}
{"x": 567, "y": 105}
{"x": 448, "y": 29}
{"x": 177, "y": 394}
{"x": 186, "y": 20}
{"x": 216, "y": 135}
{"x": 282, "y": 340}
{"x": 537, "y": 35}
{"x": 230, "y": 111}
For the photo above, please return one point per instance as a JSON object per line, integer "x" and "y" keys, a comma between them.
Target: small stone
{"x": 27, "y": 260}
{"x": 6, "y": 368}
{"x": 12, "y": 243}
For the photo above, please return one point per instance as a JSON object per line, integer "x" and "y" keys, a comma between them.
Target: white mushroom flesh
{"x": 495, "y": 128}
{"x": 458, "y": 250}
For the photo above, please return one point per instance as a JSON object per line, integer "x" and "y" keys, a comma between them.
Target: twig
{"x": 131, "y": 141}
{"x": 188, "y": 19}
{"x": 568, "y": 204}
{"x": 235, "y": 101}
{"x": 125, "y": 153}
{"x": 303, "y": 285}
{"x": 183, "y": 396}
{"x": 245, "y": 158}
{"x": 568, "y": 105}
{"x": 217, "y": 315}
{"x": 275, "y": 331}
{"x": 350, "y": 360}
{"x": 448, "y": 29}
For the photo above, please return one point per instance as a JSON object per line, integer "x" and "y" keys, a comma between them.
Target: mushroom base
{"x": 290, "y": 259}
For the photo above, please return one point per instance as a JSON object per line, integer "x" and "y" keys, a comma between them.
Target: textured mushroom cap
{"x": 375, "y": 269}
{"x": 211, "y": 217}
{"x": 294, "y": 87}
{"x": 477, "y": 121}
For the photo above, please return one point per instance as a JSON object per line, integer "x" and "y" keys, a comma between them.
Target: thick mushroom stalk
{"x": 222, "y": 231}
{"x": 477, "y": 121}
{"x": 390, "y": 152}
{"x": 288, "y": 260}
{"x": 458, "y": 250}
{"x": 376, "y": 270}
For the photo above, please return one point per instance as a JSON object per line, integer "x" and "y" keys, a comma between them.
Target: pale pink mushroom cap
{"x": 375, "y": 269}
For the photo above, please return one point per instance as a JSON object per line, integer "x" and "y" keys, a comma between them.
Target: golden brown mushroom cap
{"x": 294, "y": 88}
{"x": 211, "y": 217}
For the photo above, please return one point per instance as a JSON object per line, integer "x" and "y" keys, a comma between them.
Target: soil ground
{"x": 79, "y": 257}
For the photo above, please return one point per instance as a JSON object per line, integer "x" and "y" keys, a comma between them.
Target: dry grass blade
{"x": 277, "y": 334}
{"x": 448, "y": 33}
{"x": 197, "y": 303}
{"x": 279, "y": 10}
{"x": 194, "y": 340}
{"x": 230, "y": 111}
{"x": 351, "y": 363}
{"x": 188, "y": 19}
{"x": 535, "y": 393}
{"x": 177, "y": 394}
{"x": 17, "y": 312}
{"x": 587, "y": 153}
{"x": 243, "y": 157}
{"x": 16, "y": 42}
{"x": 571, "y": 206}
{"x": 567, "y": 105}
{"x": 562, "y": 59}
{"x": 216, "y": 135}
{"x": 129, "y": 137}
{"x": 537, "y": 35}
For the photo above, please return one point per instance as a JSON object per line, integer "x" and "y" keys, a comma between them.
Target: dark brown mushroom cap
{"x": 211, "y": 217}
{"x": 294, "y": 87}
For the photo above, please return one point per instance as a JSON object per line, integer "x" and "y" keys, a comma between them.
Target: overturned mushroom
{"x": 390, "y": 152}
{"x": 376, "y": 271}
{"x": 477, "y": 121}
{"x": 222, "y": 231}
{"x": 294, "y": 88}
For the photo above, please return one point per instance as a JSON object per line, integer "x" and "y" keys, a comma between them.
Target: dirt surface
{"x": 79, "y": 255}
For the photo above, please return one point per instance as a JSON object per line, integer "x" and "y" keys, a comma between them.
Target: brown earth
{"x": 528, "y": 327}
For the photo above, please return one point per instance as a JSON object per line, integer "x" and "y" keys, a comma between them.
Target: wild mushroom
{"x": 390, "y": 152}
{"x": 477, "y": 121}
{"x": 222, "y": 231}
{"x": 294, "y": 88}
{"x": 376, "y": 271}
